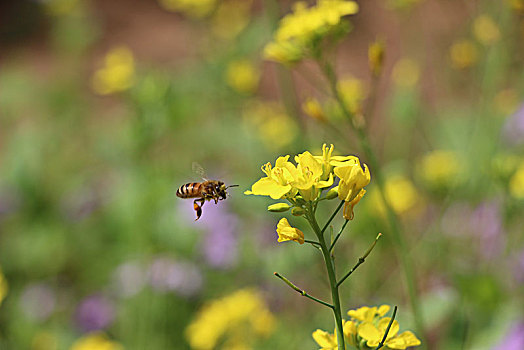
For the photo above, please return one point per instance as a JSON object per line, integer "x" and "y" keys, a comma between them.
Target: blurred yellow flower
{"x": 376, "y": 52}
{"x": 400, "y": 194}
{"x": 231, "y": 18}
{"x": 516, "y": 183}
{"x": 353, "y": 93}
{"x": 275, "y": 128}
{"x": 118, "y": 73}
{"x": 61, "y": 7}
{"x": 44, "y": 341}
{"x": 463, "y": 54}
{"x": 288, "y": 233}
{"x": 440, "y": 168}
{"x": 235, "y": 321}
{"x": 191, "y": 8}
{"x": 96, "y": 341}
{"x": 299, "y": 30}
{"x": 373, "y": 334}
{"x": 242, "y": 76}
{"x": 313, "y": 109}
{"x": 485, "y": 30}
{"x": 406, "y": 73}
{"x": 506, "y": 101}
{"x": 3, "y": 287}
{"x": 517, "y": 5}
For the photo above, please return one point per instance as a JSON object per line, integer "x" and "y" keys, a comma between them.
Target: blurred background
{"x": 105, "y": 105}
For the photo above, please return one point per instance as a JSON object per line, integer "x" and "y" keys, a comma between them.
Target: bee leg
{"x": 198, "y": 207}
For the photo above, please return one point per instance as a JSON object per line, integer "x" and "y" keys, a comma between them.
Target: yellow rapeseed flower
{"x": 313, "y": 109}
{"x": 309, "y": 176}
{"x": 516, "y": 183}
{"x": 242, "y": 76}
{"x": 235, "y": 321}
{"x": 328, "y": 160}
{"x": 440, "y": 168}
{"x": 400, "y": 194}
{"x": 118, "y": 73}
{"x": 353, "y": 92}
{"x": 305, "y": 26}
{"x": 353, "y": 176}
{"x": 286, "y": 232}
{"x": 463, "y": 54}
{"x": 406, "y": 73}
{"x": 191, "y": 8}
{"x": 368, "y": 314}
{"x": 326, "y": 340}
{"x": 486, "y": 30}
{"x": 3, "y": 287}
{"x": 278, "y": 181}
{"x": 231, "y": 18}
{"x": 373, "y": 334}
{"x": 275, "y": 128}
{"x": 96, "y": 341}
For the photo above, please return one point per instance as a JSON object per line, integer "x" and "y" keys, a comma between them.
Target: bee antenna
{"x": 232, "y": 186}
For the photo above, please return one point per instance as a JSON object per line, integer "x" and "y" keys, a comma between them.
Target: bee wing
{"x": 199, "y": 170}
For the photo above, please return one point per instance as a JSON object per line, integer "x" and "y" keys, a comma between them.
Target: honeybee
{"x": 203, "y": 191}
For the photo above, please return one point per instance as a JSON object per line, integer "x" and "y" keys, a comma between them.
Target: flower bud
{"x": 376, "y": 57}
{"x": 332, "y": 193}
{"x": 296, "y": 211}
{"x": 278, "y": 207}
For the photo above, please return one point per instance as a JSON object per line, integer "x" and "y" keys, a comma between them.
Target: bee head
{"x": 221, "y": 190}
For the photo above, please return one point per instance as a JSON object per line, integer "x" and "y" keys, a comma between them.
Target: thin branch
{"x": 360, "y": 260}
{"x": 332, "y": 216}
{"x": 381, "y": 344}
{"x": 313, "y": 243}
{"x": 338, "y": 235}
{"x": 302, "y": 292}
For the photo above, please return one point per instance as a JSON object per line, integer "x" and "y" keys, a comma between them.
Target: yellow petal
{"x": 403, "y": 341}
{"x": 288, "y": 233}
{"x": 382, "y": 310}
{"x": 268, "y": 187}
{"x": 370, "y": 333}
{"x": 383, "y": 325}
{"x": 324, "y": 339}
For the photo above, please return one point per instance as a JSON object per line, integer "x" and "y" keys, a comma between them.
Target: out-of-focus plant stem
{"x": 337, "y": 310}
{"x": 398, "y": 239}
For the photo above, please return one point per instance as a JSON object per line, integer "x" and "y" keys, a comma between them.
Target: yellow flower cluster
{"x": 118, "y": 73}
{"x": 96, "y": 341}
{"x": 303, "y": 184}
{"x": 440, "y": 169}
{"x": 242, "y": 76}
{"x": 191, "y": 8}
{"x": 305, "y": 27}
{"x": 233, "y": 321}
{"x": 366, "y": 327}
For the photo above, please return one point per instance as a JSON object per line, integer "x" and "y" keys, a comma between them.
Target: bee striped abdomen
{"x": 190, "y": 190}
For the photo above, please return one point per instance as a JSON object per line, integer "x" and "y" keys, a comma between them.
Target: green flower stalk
{"x": 304, "y": 185}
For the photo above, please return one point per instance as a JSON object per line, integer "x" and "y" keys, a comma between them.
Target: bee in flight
{"x": 203, "y": 191}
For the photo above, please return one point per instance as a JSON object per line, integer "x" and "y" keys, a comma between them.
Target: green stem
{"x": 302, "y": 292}
{"x": 338, "y": 235}
{"x": 332, "y": 216}
{"x": 337, "y": 310}
{"x": 392, "y": 218}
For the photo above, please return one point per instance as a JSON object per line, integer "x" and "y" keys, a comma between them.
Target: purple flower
{"x": 168, "y": 275}
{"x": 482, "y": 223}
{"x": 129, "y": 279}
{"x": 38, "y": 301}
{"x": 513, "y": 130}
{"x": 95, "y": 312}
{"x": 514, "y": 340}
{"x": 219, "y": 246}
